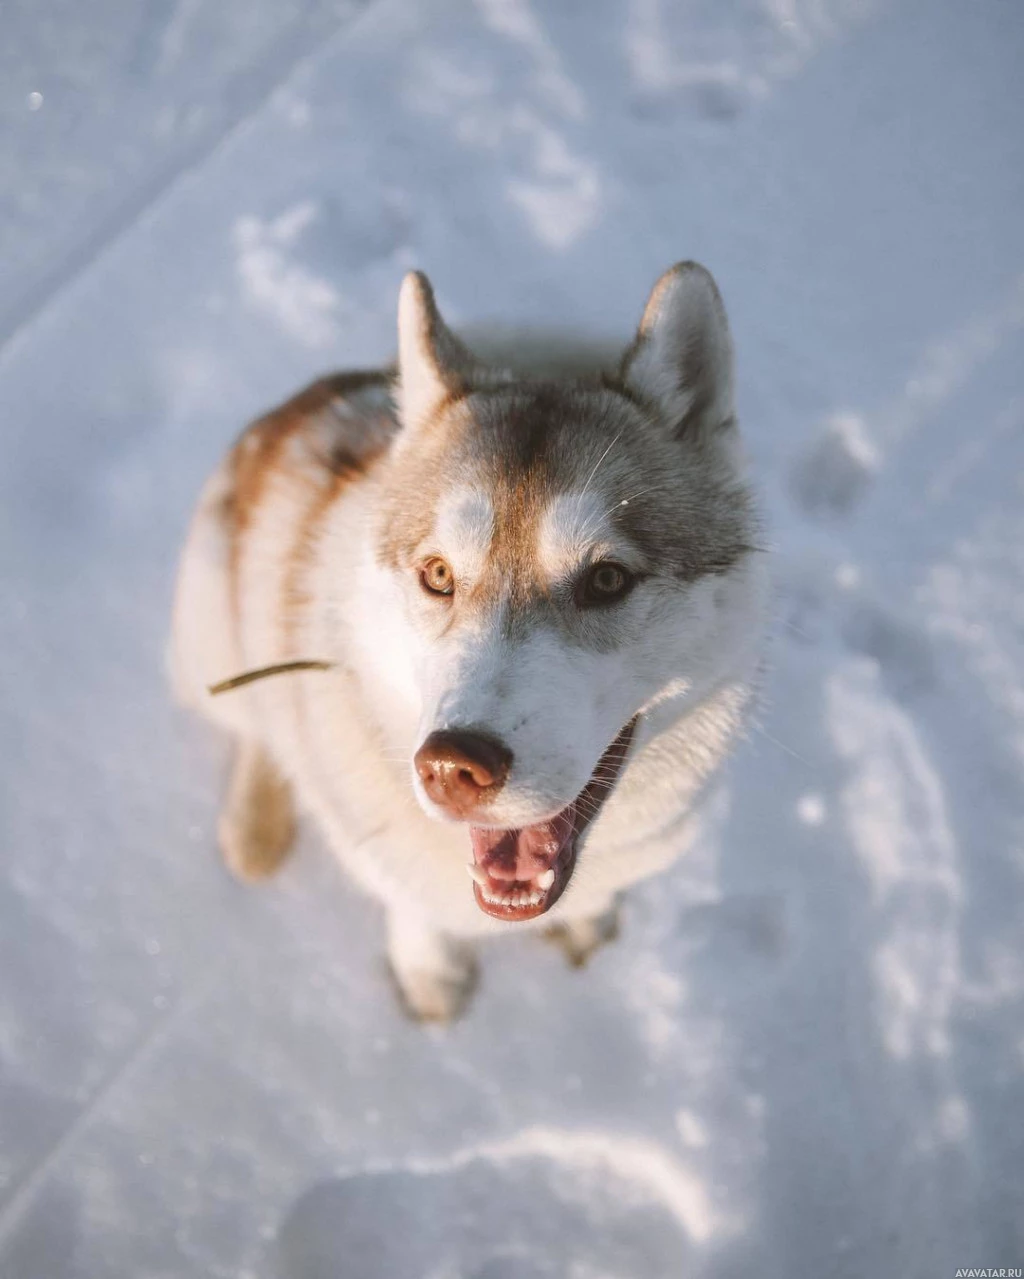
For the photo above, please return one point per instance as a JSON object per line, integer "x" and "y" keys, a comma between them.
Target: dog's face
{"x": 559, "y": 558}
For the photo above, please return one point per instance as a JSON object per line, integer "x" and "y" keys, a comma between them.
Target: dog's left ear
{"x": 432, "y": 362}
{"x": 681, "y": 358}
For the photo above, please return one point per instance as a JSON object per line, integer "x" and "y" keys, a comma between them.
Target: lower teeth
{"x": 513, "y": 901}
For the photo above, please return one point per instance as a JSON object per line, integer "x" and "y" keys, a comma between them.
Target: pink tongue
{"x": 523, "y": 854}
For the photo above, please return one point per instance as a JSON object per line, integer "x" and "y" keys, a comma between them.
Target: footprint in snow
{"x": 539, "y": 1206}
{"x": 902, "y": 651}
{"x": 834, "y": 472}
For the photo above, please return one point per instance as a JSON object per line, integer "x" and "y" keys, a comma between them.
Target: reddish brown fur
{"x": 334, "y": 448}
{"x": 294, "y": 595}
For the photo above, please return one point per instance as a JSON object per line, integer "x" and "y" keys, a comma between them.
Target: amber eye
{"x": 605, "y": 583}
{"x": 436, "y": 577}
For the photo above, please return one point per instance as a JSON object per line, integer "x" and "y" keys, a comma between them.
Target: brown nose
{"x": 460, "y": 769}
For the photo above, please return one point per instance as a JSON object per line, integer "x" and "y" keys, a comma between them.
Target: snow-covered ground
{"x": 805, "y": 1055}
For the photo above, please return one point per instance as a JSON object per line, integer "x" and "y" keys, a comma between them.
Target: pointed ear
{"x": 681, "y": 358}
{"x": 432, "y": 363}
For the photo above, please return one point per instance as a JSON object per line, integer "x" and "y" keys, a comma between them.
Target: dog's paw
{"x": 427, "y": 995}
{"x": 579, "y": 938}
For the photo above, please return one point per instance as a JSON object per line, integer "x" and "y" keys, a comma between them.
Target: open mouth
{"x": 520, "y": 874}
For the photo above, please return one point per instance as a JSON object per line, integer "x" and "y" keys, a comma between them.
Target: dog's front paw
{"x": 434, "y": 974}
{"x": 430, "y": 996}
{"x": 579, "y": 938}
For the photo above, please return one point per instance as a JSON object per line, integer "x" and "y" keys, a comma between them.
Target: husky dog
{"x": 541, "y": 602}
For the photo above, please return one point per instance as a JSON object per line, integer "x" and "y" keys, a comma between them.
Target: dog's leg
{"x": 434, "y": 973}
{"x": 257, "y": 822}
{"x": 579, "y": 938}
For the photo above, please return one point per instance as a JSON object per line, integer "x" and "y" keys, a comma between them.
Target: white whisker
{"x": 597, "y": 464}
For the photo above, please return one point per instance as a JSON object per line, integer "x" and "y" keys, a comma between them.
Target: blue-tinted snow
{"x": 805, "y": 1055}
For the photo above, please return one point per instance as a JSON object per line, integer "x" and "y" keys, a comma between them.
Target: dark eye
{"x": 604, "y": 583}
{"x": 436, "y": 577}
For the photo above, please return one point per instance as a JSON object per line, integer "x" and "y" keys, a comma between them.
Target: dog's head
{"x": 557, "y": 557}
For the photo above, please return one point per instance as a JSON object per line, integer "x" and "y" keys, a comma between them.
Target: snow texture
{"x": 805, "y": 1055}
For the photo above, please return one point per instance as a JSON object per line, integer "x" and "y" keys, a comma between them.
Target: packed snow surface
{"x": 805, "y": 1054}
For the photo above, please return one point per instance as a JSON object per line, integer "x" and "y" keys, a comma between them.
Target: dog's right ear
{"x": 433, "y": 365}
{"x": 681, "y": 358}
